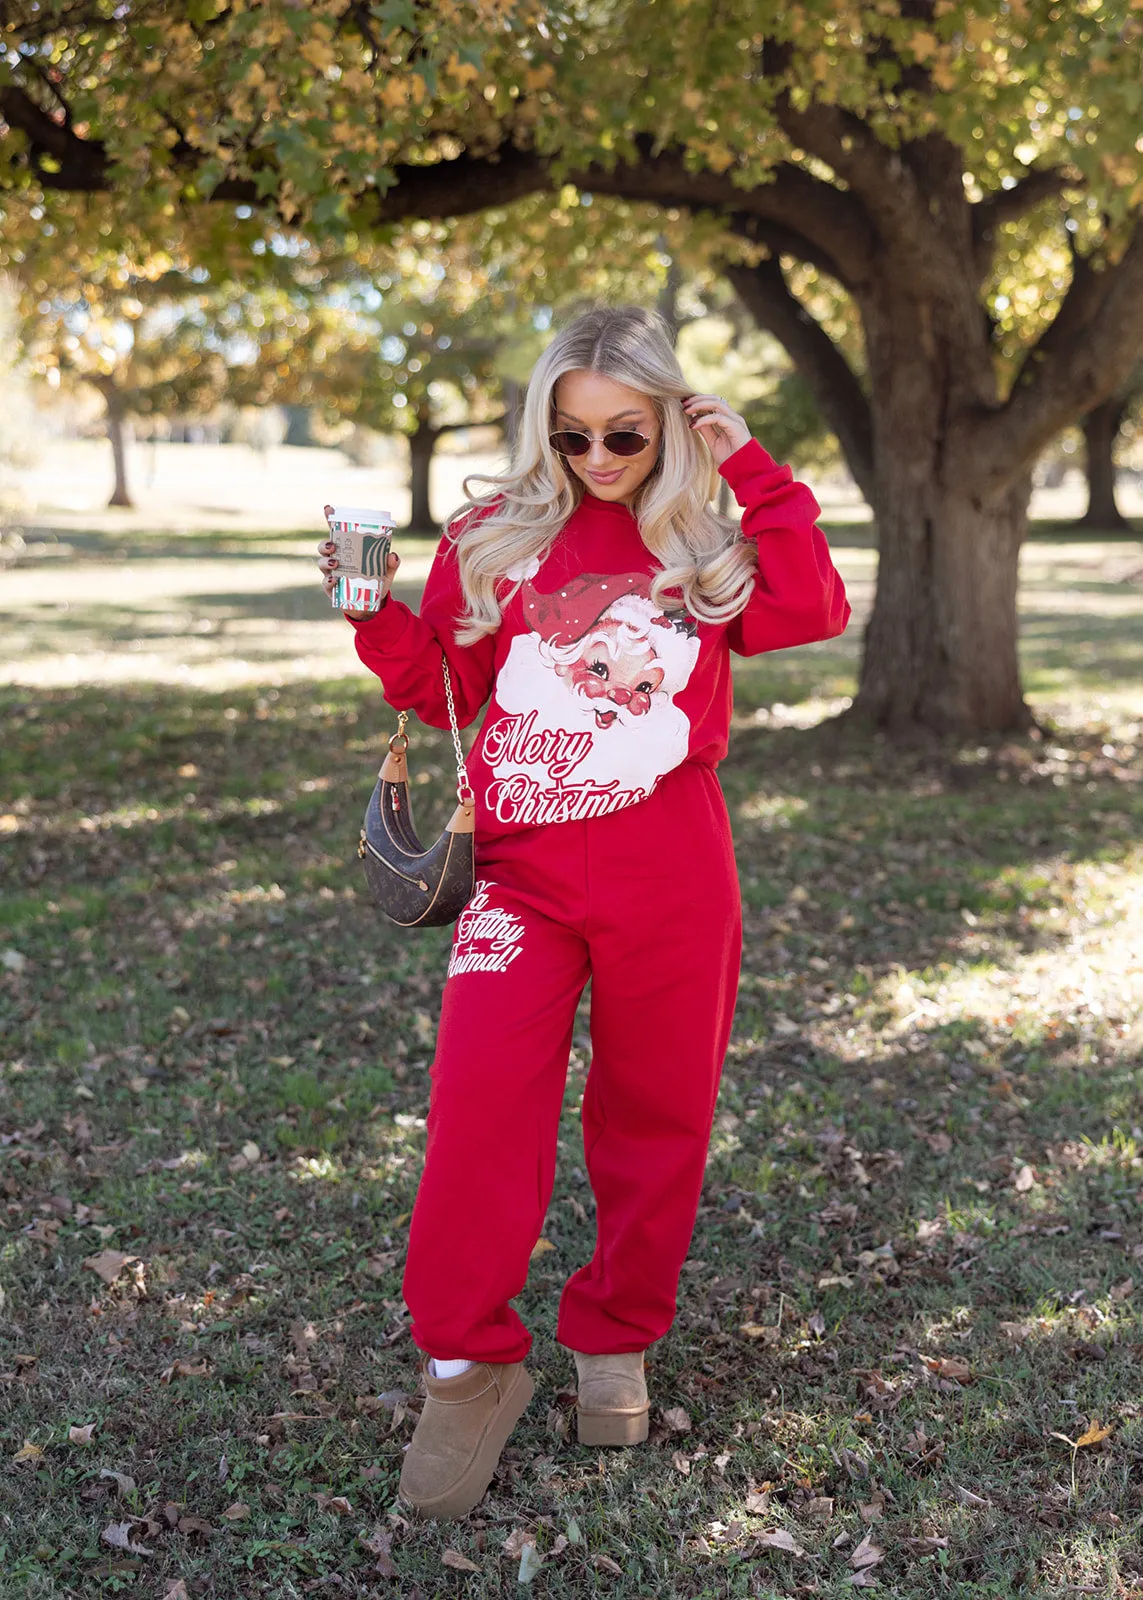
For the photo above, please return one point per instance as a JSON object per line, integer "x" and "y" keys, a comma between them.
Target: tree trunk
{"x": 940, "y": 649}
{"x": 1100, "y": 430}
{"x": 513, "y": 394}
{"x": 422, "y": 443}
{"x": 116, "y": 432}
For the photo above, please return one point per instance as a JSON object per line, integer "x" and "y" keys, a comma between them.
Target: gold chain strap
{"x": 464, "y": 791}
{"x": 463, "y": 788}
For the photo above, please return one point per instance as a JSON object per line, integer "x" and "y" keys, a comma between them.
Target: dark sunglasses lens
{"x": 625, "y": 442}
{"x": 570, "y": 444}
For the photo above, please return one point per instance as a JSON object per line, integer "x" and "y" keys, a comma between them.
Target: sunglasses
{"x": 623, "y": 442}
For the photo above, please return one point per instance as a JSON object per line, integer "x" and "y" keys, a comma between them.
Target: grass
{"x": 918, "y": 1264}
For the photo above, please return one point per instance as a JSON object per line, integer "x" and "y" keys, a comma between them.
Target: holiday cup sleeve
{"x": 361, "y": 539}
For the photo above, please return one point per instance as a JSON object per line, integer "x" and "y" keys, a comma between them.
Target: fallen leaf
{"x": 530, "y": 1563}
{"x": 337, "y": 1503}
{"x": 1024, "y": 1180}
{"x": 816, "y": 1325}
{"x": 866, "y": 1555}
{"x": 758, "y": 1502}
{"x": 252, "y": 1153}
{"x": 185, "y": 1369}
{"x": 677, "y": 1420}
{"x": 123, "y": 1484}
{"x": 926, "y": 1545}
{"x": 874, "y": 1509}
{"x": 28, "y": 1452}
{"x": 760, "y": 1333}
{"x": 1094, "y": 1434}
{"x": 379, "y": 1543}
{"x": 81, "y": 1435}
{"x": 1124, "y": 1290}
{"x": 193, "y": 1524}
{"x": 237, "y": 1511}
{"x": 453, "y": 1558}
{"x": 118, "y": 1536}
{"x": 541, "y": 1248}
{"x": 1016, "y": 1331}
{"x": 821, "y": 1506}
{"x": 967, "y": 1498}
{"x": 681, "y": 1463}
{"x": 780, "y": 1539}
{"x": 608, "y": 1565}
{"x": 176, "y": 1589}
{"x": 863, "y": 1578}
{"x": 108, "y": 1264}
{"x": 513, "y": 1545}
{"x": 954, "y": 1367}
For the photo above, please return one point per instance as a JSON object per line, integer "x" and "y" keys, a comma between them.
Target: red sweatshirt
{"x": 596, "y": 691}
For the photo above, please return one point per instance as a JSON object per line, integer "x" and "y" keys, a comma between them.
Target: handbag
{"x": 415, "y": 887}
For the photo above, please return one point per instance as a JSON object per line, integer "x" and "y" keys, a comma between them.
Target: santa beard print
{"x": 590, "y": 724}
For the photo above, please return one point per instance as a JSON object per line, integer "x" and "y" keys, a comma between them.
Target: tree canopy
{"x": 894, "y": 148}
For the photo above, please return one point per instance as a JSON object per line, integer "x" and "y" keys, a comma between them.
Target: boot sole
{"x": 612, "y": 1427}
{"x": 469, "y": 1489}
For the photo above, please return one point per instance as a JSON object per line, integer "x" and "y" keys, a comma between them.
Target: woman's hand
{"x": 723, "y": 429}
{"x": 327, "y": 565}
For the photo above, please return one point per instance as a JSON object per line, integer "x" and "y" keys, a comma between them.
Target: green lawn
{"x": 918, "y": 1267}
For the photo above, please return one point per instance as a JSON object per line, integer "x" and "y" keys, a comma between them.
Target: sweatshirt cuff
{"x": 746, "y": 463}
{"x": 383, "y": 629}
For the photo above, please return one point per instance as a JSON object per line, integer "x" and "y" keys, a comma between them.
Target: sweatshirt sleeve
{"x": 407, "y": 650}
{"x": 798, "y": 596}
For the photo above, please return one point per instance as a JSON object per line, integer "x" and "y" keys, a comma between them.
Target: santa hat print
{"x": 566, "y": 615}
{"x": 569, "y": 614}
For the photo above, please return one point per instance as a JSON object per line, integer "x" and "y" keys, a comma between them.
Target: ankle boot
{"x": 463, "y": 1427}
{"x": 612, "y": 1407}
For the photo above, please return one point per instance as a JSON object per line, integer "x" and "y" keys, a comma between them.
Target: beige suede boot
{"x": 462, "y": 1429}
{"x": 612, "y": 1407}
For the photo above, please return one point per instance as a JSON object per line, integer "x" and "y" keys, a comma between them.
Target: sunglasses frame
{"x": 624, "y": 455}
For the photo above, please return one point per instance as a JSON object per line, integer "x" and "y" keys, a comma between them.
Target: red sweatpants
{"x": 646, "y": 903}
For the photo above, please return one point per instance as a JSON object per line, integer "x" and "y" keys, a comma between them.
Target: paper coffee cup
{"x": 362, "y": 539}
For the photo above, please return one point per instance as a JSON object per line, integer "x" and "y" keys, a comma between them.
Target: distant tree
{"x": 1103, "y": 427}
{"x": 417, "y": 356}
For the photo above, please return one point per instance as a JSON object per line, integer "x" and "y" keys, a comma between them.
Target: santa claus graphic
{"x": 589, "y": 691}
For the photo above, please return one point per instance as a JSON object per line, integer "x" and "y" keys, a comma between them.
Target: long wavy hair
{"x": 506, "y": 531}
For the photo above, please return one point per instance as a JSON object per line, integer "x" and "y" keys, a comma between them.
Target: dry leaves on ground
{"x": 185, "y": 1369}
{"x": 118, "y": 1536}
{"x": 955, "y": 1368}
{"x": 379, "y": 1543}
{"x": 780, "y": 1539}
{"x": 108, "y": 1264}
{"x": 866, "y": 1555}
{"x": 677, "y": 1419}
{"x": 454, "y": 1559}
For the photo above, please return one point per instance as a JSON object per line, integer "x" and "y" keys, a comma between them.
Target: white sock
{"x": 448, "y": 1369}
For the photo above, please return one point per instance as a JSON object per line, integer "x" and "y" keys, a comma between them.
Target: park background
{"x": 258, "y": 256}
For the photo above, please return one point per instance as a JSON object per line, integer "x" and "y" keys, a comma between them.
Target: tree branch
{"x": 1087, "y": 354}
{"x": 766, "y": 295}
{"x": 82, "y": 163}
{"x": 1008, "y": 205}
{"x": 831, "y": 224}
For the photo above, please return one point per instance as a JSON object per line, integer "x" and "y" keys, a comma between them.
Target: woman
{"x": 596, "y": 596}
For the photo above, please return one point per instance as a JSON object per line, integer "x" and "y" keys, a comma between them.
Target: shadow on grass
{"x": 216, "y": 1063}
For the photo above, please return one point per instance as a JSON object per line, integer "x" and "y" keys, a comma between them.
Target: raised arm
{"x": 406, "y": 650}
{"x": 799, "y": 596}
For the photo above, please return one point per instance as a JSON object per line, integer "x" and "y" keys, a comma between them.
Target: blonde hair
{"x": 702, "y": 553}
